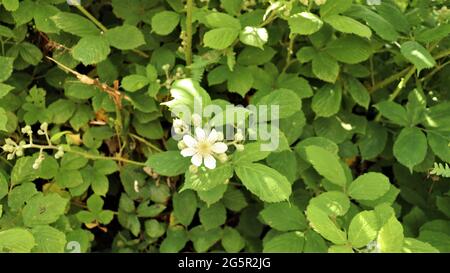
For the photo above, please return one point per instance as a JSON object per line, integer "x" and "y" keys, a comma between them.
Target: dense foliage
{"x": 90, "y": 161}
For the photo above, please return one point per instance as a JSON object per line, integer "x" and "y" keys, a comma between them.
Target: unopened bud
{"x": 239, "y": 147}
{"x": 193, "y": 169}
{"x": 181, "y": 145}
{"x": 223, "y": 158}
{"x": 196, "y": 120}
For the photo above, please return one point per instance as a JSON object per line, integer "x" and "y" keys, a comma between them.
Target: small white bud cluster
{"x": 238, "y": 139}
{"x": 37, "y": 163}
{"x": 179, "y": 74}
{"x": 43, "y": 129}
{"x": 183, "y": 37}
{"x": 60, "y": 153}
{"x": 13, "y": 149}
{"x": 27, "y": 130}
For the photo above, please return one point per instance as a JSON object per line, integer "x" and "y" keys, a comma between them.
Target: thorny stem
{"x": 188, "y": 49}
{"x": 103, "y": 28}
{"x": 84, "y": 154}
{"x": 290, "y": 51}
{"x": 402, "y": 73}
{"x": 154, "y": 147}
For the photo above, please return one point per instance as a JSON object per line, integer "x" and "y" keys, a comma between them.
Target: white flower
{"x": 180, "y": 127}
{"x": 203, "y": 148}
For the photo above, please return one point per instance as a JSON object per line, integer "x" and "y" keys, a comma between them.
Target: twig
{"x": 188, "y": 49}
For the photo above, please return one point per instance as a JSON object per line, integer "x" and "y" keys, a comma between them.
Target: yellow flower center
{"x": 204, "y": 148}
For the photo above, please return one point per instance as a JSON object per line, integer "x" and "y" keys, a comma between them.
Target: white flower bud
{"x": 166, "y": 67}
{"x": 27, "y": 130}
{"x": 239, "y": 147}
{"x": 19, "y": 152}
{"x": 239, "y": 136}
{"x": 193, "y": 169}
{"x": 223, "y": 158}
{"x": 196, "y": 120}
{"x": 44, "y": 126}
{"x": 10, "y": 156}
{"x": 181, "y": 145}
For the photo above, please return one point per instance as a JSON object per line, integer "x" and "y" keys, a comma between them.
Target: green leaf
{"x": 363, "y": 229}
{"x": 72, "y": 161}
{"x": 327, "y": 101}
{"x": 335, "y": 7}
{"x": 68, "y": 178}
{"x": 291, "y": 242}
{"x": 6, "y": 67}
{"x": 369, "y": 186}
{"x": 380, "y": 25}
{"x": 184, "y": 207}
{"x": 411, "y": 245}
{"x": 205, "y": 179}
{"x": 169, "y": 163}
{"x": 214, "y": 195}
{"x": 133, "y": 83}
{"x": 204, "y": 239}
{"x": 48, "y": 240}
{"x": 91, "y": 50}
{"x": 10, "y": 5}
{"x": 393, "y": 111}
{"x": 390, "y": 237}
{"x": 30, "y": 53}
{"x": 240, "y": 80}
{"x": 254, "y": 36}
{"x": 220, "y": 38}
{"x": 325, "y": 67}
{"x": 213, "y": 216}
{"x": 417, "y": 55}
{"x": 266, "y": 183}
{"x": 23, "y": 171}
{"x": 323, "y": 225}
{"x": 304, "y": 23}
{"x": 41, "y": 210}
{"x": 232, "y": 241}
{"x": 439, "y": 145}
{"x": 16, "y": 240}
{"x": 410, "y": 147}
{"x": 326, "y": 164}
{"x": 164, "y": 22}
{"x": 154, "y": 229}
{"x": 5, "y": 89}
{"x": 252, "y": 152}
{"x": 4, "y": 187}
{"x": 234, "y": 199}
{"x": 125, "y": 37}
{"x": 348, "y": 25}
{"x": 75, "y": 24}
{"x": 374, "y": 141}
{"x": 222, "y": 20}
{"x": 175, "y": 240}
{"x": 284, "y": 217}
{"x": 333, "y": 203}
{"x": 349, "y": 49}
{"x": 3, "y": 120}
{"x": 287, "y": 101}
{"x": 358, "y": 92}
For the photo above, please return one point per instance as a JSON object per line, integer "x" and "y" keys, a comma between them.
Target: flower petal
{"x": 197, "y": 160}
{"x": 200, "y": 134}
{"x": 188, "y": 152}
{"x": 210, "y": 162}
{"x": 213, "y": 136}
{"x": 189, "y": 141}
{"x": 219, "y": 147}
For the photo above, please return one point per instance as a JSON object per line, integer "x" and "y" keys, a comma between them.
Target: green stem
{"x": 85, "y": 154}
{"x": 154, "y": 147}
{"x": 290, "y": 50}
{"x": 103, "y": 28}
{"x": 188, "y": 49}
{"x": 399, "y": 88}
